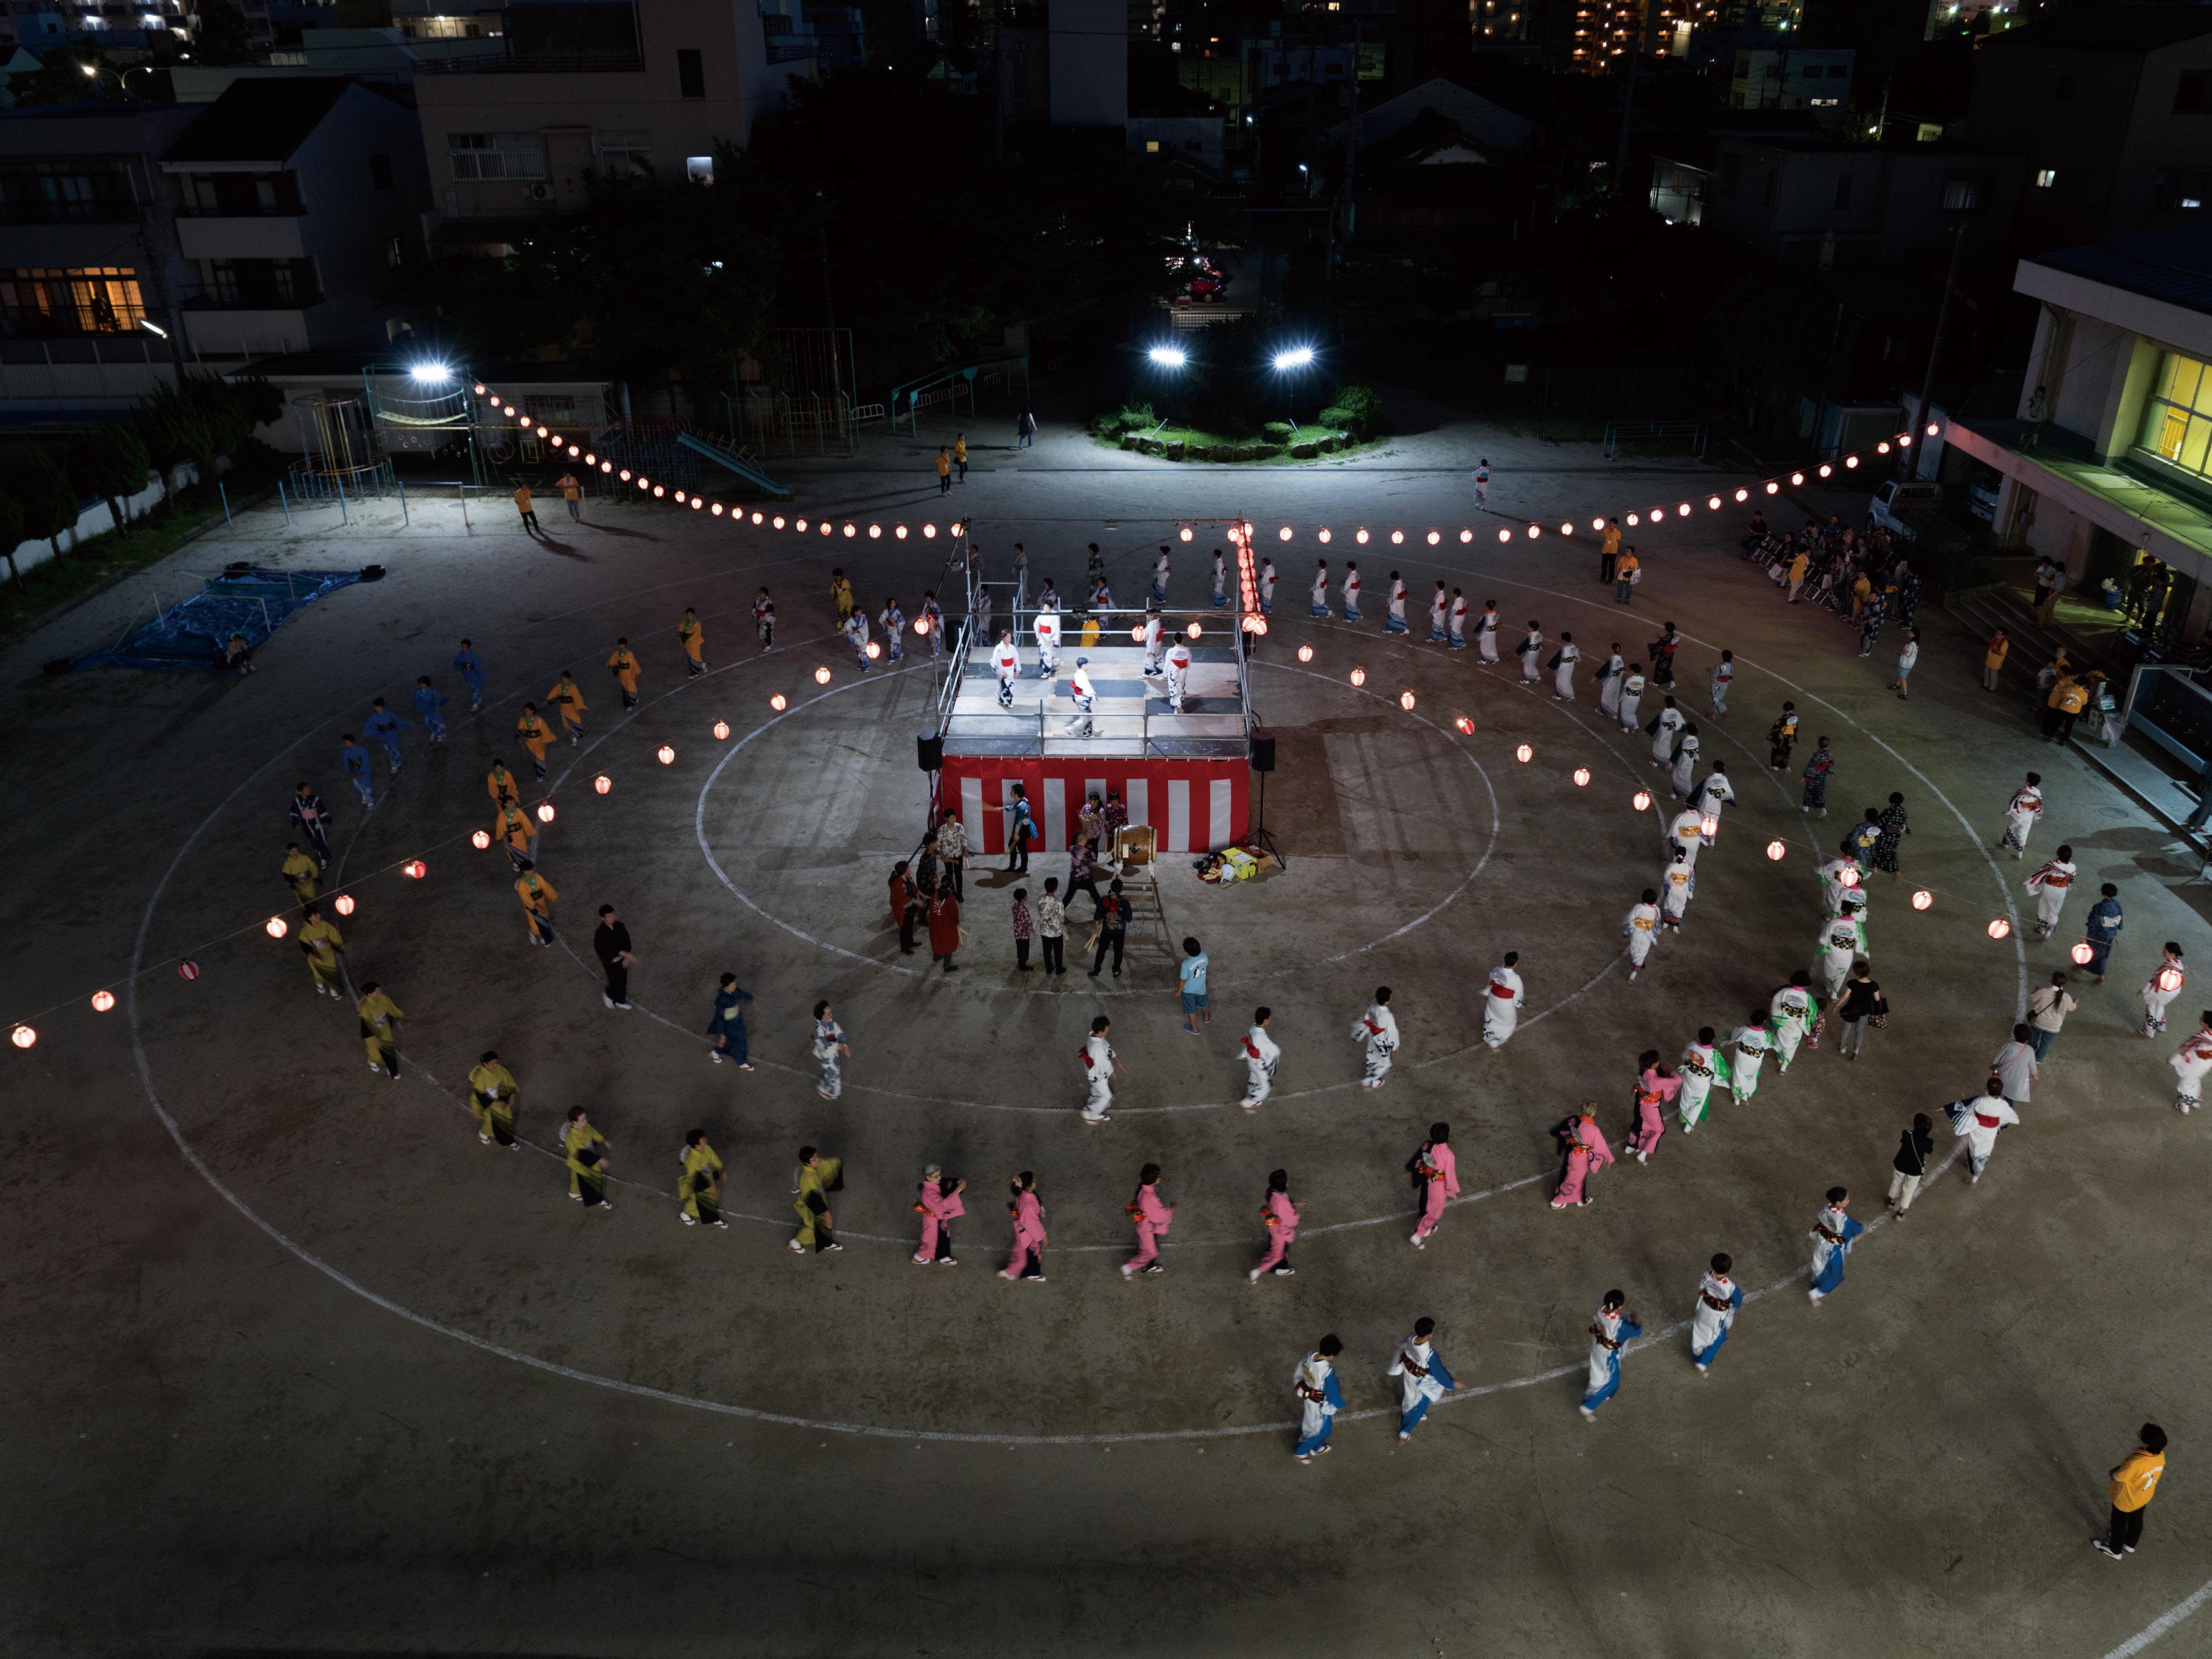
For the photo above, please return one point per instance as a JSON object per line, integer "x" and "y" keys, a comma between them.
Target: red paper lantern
{"x": 1923, "y": 899}
{"x": 1359, "y": 676}
{"x": 545, "y": 808}
{"x": 1775, "y": 849}
{"x": 102, "y": 1001}
{"x": 343, "y": 904}
{"x": 665, "y": 754}
{"x": 1999, "y": 928}
{"x": 777, "y": 702}
{"x": 188, "y": 970}
{"x": 1582, "y": 777}
{"x": 2083, "y": 954}
{"x": 23, "y": 1036}
{"x": 1193, "y": 630}
{"x": 822, "y": 676}
{"x": 1405, "y": 700}
{"x": 415, "y": 869}
{"x": 603, "y": 783}
{"x": 721, "y": 730}
{"x": 275, "y": 927}
{"x": 1709, "y": 827}
{"x": 1465, "y": 725}
{"x": 1640, "y": 800}
{"x": 481, "y": 840}
{"x": 875, "y": 650}
{"x": 1305, "y": 653}
{"x": 1524, "y": 753}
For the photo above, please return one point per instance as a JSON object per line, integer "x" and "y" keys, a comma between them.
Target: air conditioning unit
{"x": 541, "y": 193}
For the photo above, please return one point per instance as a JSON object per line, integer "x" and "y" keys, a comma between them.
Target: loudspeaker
{"x": 1263, "y": 749}
{"x": 928, "y": 751}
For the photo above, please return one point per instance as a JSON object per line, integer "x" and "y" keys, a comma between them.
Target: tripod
{"x": 1259, "y": 840}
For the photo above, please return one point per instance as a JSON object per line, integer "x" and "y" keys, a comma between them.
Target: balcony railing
{"x": 499, "y": 59}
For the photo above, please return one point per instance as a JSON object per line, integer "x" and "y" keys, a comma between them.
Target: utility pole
{"x": 1906, "y": 456}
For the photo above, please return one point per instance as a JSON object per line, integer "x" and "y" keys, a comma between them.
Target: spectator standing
{"x": 1890, "y": 821}
{"x": 1910, "y": 1167}
{"x": 1024, "y": 928}
{"x": 1193, "y": 977}
{"x": 1861, "y": 1006}
{"x": 1818, "y": 768}
{"x": 522, "y": 506}
{"x": 1625, "y": 574}
{"x": 610, "y": 944}
{"x": 1993, "y": 656}
{"x": 944, "y": 471}
{"x": 1908, "y": 655}
{"x": 572, "y": 495}
{"x": 2047, "y": 1009}
{"x": 1609, "y": 551}
{"x": 906, "y": 906}
{"x": 960, "y": 454}
{"x": 952, "y": 851}
{"x": 945, "y": 927}
{"x": 1025, "y": 430}
{"x": 2133, "y": 1484}
{"x": 1113, "y": 929}
{"x": 1052, "y": 928}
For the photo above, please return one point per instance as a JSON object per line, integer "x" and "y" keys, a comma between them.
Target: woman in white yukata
{"x": 1664, "y": 730}
{"x": 1320, "y": 1399}
{"x": 1718, "y": 1299}
{"x": 1563, "y": 669}
{"x": 1632, "y": 695}
{"x": 1609, "y": 677}
{"x": 1791, "y": 1015}
{"x": 1423, "y": 1379}
{"x": 1612, "y": 1328}
{"x": 1681, "y": 784}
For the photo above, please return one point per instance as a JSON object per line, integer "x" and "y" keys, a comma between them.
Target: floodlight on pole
{"x": 430, "y": 373}
{"x": 1168, "y": 356}
{"x": 1296, "y": 357}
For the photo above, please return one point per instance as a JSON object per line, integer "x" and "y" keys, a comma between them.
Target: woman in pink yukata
{"x": 1656, "y": 1086}
{"x": 1153, "y": 1218}
{"x": 1587, "y": 1153}
{"x": 939, "y": 1201}
{"x": 1435, "y": 1174}
{"x": 1027, "y": 1209}
{"x": 1281, "y": 1216}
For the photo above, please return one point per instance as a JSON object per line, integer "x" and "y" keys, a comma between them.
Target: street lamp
{"x": 430, "y": 374}
{"x": 1294, "y": 357}
{"x": 1168, "y": 356}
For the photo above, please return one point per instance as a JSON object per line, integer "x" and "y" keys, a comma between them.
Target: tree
{"x": 110, "y": 462}
{"x": 42, "y": 493}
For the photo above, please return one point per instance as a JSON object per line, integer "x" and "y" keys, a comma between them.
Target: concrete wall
{"x": 96, "y": 519}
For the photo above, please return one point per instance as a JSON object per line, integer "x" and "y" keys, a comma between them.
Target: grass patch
{"x": 42, "y": 593}
{"x": 1192, "y": 436}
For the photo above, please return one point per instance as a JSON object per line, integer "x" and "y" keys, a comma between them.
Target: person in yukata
{"x": 1319, "y": 597}
{"x": 1702, "y": 1068}
{"x": 1793, "y": 1016}
{"x": 1715, "y": 793}
{"x": 1657, "y": 1085}
{"x": 1435, "y": 1173}
{"x": 1423, "y": 1378}
{"x": 1610, "y": 674}
{"x": 830, "y": 1051}
{"x": 1439, "y": 609}
{"x": 1155, "y": 631}
{"x": 2189, "y": 1062}
{"x": 1152, "y": 1220}
{"x": 1667, "y": 726}
{"x": 1394, "y": 609}
{"x": 2159, "y": 990}
{"x": 1975, "y": 1120}
{"x": 1587, "y": 1153}
{"x": 1613, "y": 1327}
{"x": 1178, "y": 672}
{"x": 1267, "y": 587}
{"x": 1486, "y": 632}
{"x": 1006, "y": 664}
{"x": 1083, "y": 696}
{"x": 1832, "y": 1231}
{"x": 693, "y": 638}
{"x": 428, "y": 704}
{"x": 701, "y": 1183}
{"x": 893, "y": 621}
{"x": 1753, "y": 1042}
{"x": 1677, "y": 884}
{"x": 1378, "y": 1029}
{"x": 1502, "y": 1005}
{"x": 939, "y": 1202}
{"x": 1047, "y": 643}
{"x": 1101, "y": 1066}
{"x": 585, "y": 1155}
{"x": 622, "y": 664}
{"x": 1632, "y": 695}
{"x": 470, "y": 668}
{"x": 1319, "y": 1399}
{"x": 1718, "y": 678}
{"x": 1681, "y": 779}
{"x": 1220, "y": 582}
{"x": 2020, "y": 813}
{"x": 727, "y": 1024}
{"x": 1841, "y": 942}
{"x": 1687, "y": 832}
{"x": 1641, "y": 929}
{"x": 1027, "y": 1211}
{"x": 1530, "y": 648}
{"x": 385, "y": 725}
{"x": 2102, "y": 927}
{"x": 1261, "y": 1054}
{"x": 1280, "y": 1218}
{"x": 1160, "y": 578}
{"x": 1719, "y": 1298}
{"x": 1350, "y": 590}
{"x": 1563, "y": 669}
{"x": 2052, "y": 880}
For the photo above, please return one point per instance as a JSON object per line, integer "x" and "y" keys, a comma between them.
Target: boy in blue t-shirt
{"x": 1194, "y": 987}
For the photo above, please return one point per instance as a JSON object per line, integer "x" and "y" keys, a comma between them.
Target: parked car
{"x": 1982, "y": 486}
{"x": 1896, "y": 498}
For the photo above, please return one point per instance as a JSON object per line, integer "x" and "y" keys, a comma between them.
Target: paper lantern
{"x": 275, "y": 927}
{"x": 343, "y": 904}
{"x": 898, "y": 530}
{"x": 1847, "y": 877}
{"x": 1194, "y": 631}
{"x": 1504, "y": 535}
{"x": 1923, "y": 899}
{"x": 1465, "y": 725}
{"x": 1137, "y": 634}
{"x": 1257, "y": 624}
{"x": 480, "y": 392}
{"x": 1184, "y": 534}
{"x": 574, "y": 450}
{"x": 1566, "y": 527}
{"x": 1743, "y": 496}
{"x": 1359, "y": 676}
{"x": 545, "y": 807}
{"x": 415, "y": 869}
{"x": 1999, "y": 928}
{"x": 1905, "y": 441}
{"x": 2083, "y": 954}
{"x": 721, "y": 730}
{"x": 777, "y": 521}
{"x": 481, "y": 840}
{"x": 1634, "y": 520}
{"x": 1322, "y": 534}
{"x": 102, "y": 1001}
{"x": 1397, "y": 538}
{"x": 1597, "y": 524}
{"x": 1359, "y": 536}
{"x": 1772, "y": 488}
{"x": 1305, "y": 653}
{"x": 849, "y": 529}
{"x": 875, "y": 649}
{"x": 716, "y": 509}
{"x": 1796, "y": 478}
{"x": 665, "y": 755}
{"x": 1775, "y": 849}
{"x": 698, "y": 502}
{"x": 777, "y": 702}
{"x": 799, "y": 524}
{"x": 822, "y": 676}
{"x": 1882, "y": 448}
{"x": 1682, "y": 511}
{"x": 1405, "y": 700}
{"x": 1283, "y": 534}
{"x": 541, "y": 432}
{"x": 1524, "y": 753}
{"x": 2169, "y": 979}
{"x": 1825, "y": 471}
{"x": 921, "y": 624}
{"x": 679, "y": 495}
{"x": 929, "y": 532}
{"x": 1466, "y": 535}
{"x": 1708, "y": 826}
{"x": 1434, "y": 537}
{"x": 1713, "y": 501}
{"x": 1640, "y": 800}
{"x": 624, "y": 475}
{"x": 1851, "y": 460}
{"x": 23, "y": 1036}
{"x": 1931, "y": 428}
{"x": 188, "y": 970}
{"x": 1535, "y": 531}
{"x": 1582, "y": 777}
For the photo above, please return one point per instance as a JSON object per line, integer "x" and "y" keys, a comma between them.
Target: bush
{"x": 1278, "y": 431}
{"x": 40, "y": 490}
{"x": 1357, "y": 409}
{"x": 1136, "y": 417}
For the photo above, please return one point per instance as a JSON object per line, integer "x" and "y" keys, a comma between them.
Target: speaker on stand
{"x": 1263, "y": 761}
{"x": 929, "y": 756}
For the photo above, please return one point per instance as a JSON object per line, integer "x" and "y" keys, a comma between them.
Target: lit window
{"x": 2045, "y": 177}
{"x": 492, "y": 156}
{"x": 2176, "y": 424}
{"x": 1151, "y": 147}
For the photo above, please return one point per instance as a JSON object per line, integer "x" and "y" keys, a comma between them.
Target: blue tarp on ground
{"x": 250, "y": 599}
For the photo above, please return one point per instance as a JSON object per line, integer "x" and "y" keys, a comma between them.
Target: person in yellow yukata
{"x": 301, "y": 871}
{"x": 817, "y": 1177}
{"x": 538, "y": 898}
{"x": 1090, "y": 632}
{"x": 569, "y": 697}
{"x": 841, "y": 595}
{"x": 380, "y": 1030}
{"x": 701, "y": 1186}
{"x": 492, "y": 1091}
{"x": 695, "y": 641}
{"x": 535, "y": 735}
{"x": 500, "y": 784}
{"x": 519, "y": 832}
{"x": 322, "y": 942}
{"x": 587, "y": 1151}
{"x": 624, "y": 662}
